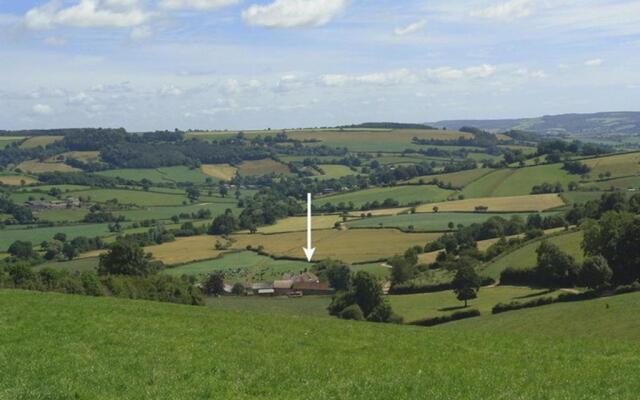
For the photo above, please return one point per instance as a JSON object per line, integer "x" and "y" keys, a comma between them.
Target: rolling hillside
{"x": 210, "y": 354}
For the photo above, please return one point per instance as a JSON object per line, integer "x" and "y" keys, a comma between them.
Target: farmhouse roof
{"x": 306, "y": 277}
{"x": 284, "y": 284}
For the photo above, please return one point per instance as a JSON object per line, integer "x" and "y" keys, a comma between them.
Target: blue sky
{"x": 241, "y": 64}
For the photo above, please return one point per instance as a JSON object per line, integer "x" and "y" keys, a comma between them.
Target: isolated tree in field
{"x": 436, "y": 209}
{"x": 193, "y": 194}
{"x": 466, "y": 284}
{"x": 367, "y": 291}
{"x": 223, "y": 191}
{"x": 595, "y": 273}
{"x": 214, "y": 285}
{"x": 555, "y": 268}
{"x": 69, "y": 251}
{"x": 22, "y": 250}
{"x": 401, "y": 270}
{"x": 126, "y": 258}
{"x": 224, "y": 224}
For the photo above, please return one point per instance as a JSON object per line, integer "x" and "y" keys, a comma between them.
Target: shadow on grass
{"x": 452, "y": 308}
{"x": 543, "y": 292}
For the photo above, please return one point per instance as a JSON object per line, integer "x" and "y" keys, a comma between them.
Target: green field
{"x": 166, "y": 174}
{"x": 80, "y": 264}
{"x": 428, "y": 305}
{"x": 7, "y": 140}
{"x": 37, "y": 236}
{"x": 518, "y": 181}
{"x": 402, "y": 194}
{"x": 360, "y": 140}
{"x": 245, "y": 266}
{"x": 525, "y": 257}
{"x": 605, "y": 319}
{"x": 169, "y": 211}
{"x": 63, "y": 214}
{"x": 139, "y": 350}
{"x": 137, "y": 197}
{"x": 335, "y": 171}
{"x": 307, "y": 306}
{"x": 456, "y": 179}
{"x": 434, "y": 222}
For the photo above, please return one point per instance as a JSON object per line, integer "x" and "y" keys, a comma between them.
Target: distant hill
{"x": 598, "y": 124}
{"x": 387, "y": 125}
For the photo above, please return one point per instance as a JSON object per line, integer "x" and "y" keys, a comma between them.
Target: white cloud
{"x": 452, "y": 74}
{"x": 42, "y": 109}
{"x": 87, "y": 14}
{"x": 293, "y": 13}
{"x": 396, "y": 77}
{"x": 55, "y": 41}
{"x": 80, "y": 98}
{"x": 596, "y": 62}
{"x": 171, "y": 90}
{"x": 411, "y": 28}
{"x": 506, "y": 11}
{"x": 140, "y": 33}
{"x": 201, "y": 5}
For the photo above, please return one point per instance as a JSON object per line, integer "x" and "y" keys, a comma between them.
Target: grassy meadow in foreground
{"x": 140, "y": 350}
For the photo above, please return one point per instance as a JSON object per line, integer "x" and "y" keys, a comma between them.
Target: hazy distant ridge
{"x": 604, "y": 123}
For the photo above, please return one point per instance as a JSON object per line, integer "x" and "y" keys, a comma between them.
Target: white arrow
{"x": 308, "y": 251}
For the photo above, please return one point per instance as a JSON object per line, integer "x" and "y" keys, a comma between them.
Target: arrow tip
{"x": 309, "y": 253}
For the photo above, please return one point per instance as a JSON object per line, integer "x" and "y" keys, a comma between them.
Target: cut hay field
{"x": 518, "y": 181}
{"x": 164, "y": 174}
{"x": 428, "y": 305}
{"x": 528, "y": 203}
{"x": 37, "y": 167}
{"x": 37, "y": 236}
{"x": 435, "y": 222}
{"x": 114, "y": 349}
{"x": 352, "y": 246}
{"x": 262, "y": 167}
{"x": 403, "y": 194}
{"x": 296, "y": 224}
{"x": 525, "y": 257}
{"x": 35, "y": 141}
{"x": 223, "y": 172}
{"x": 618, "y": 165}
{"x": 84, "y": 156}
{"x": 245, "y": 266}
{"x": 17, "y": 180}
{"x": 186, "y": 250}
{"x": 628, "y": 183}
{"x": 456, "y": 179}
